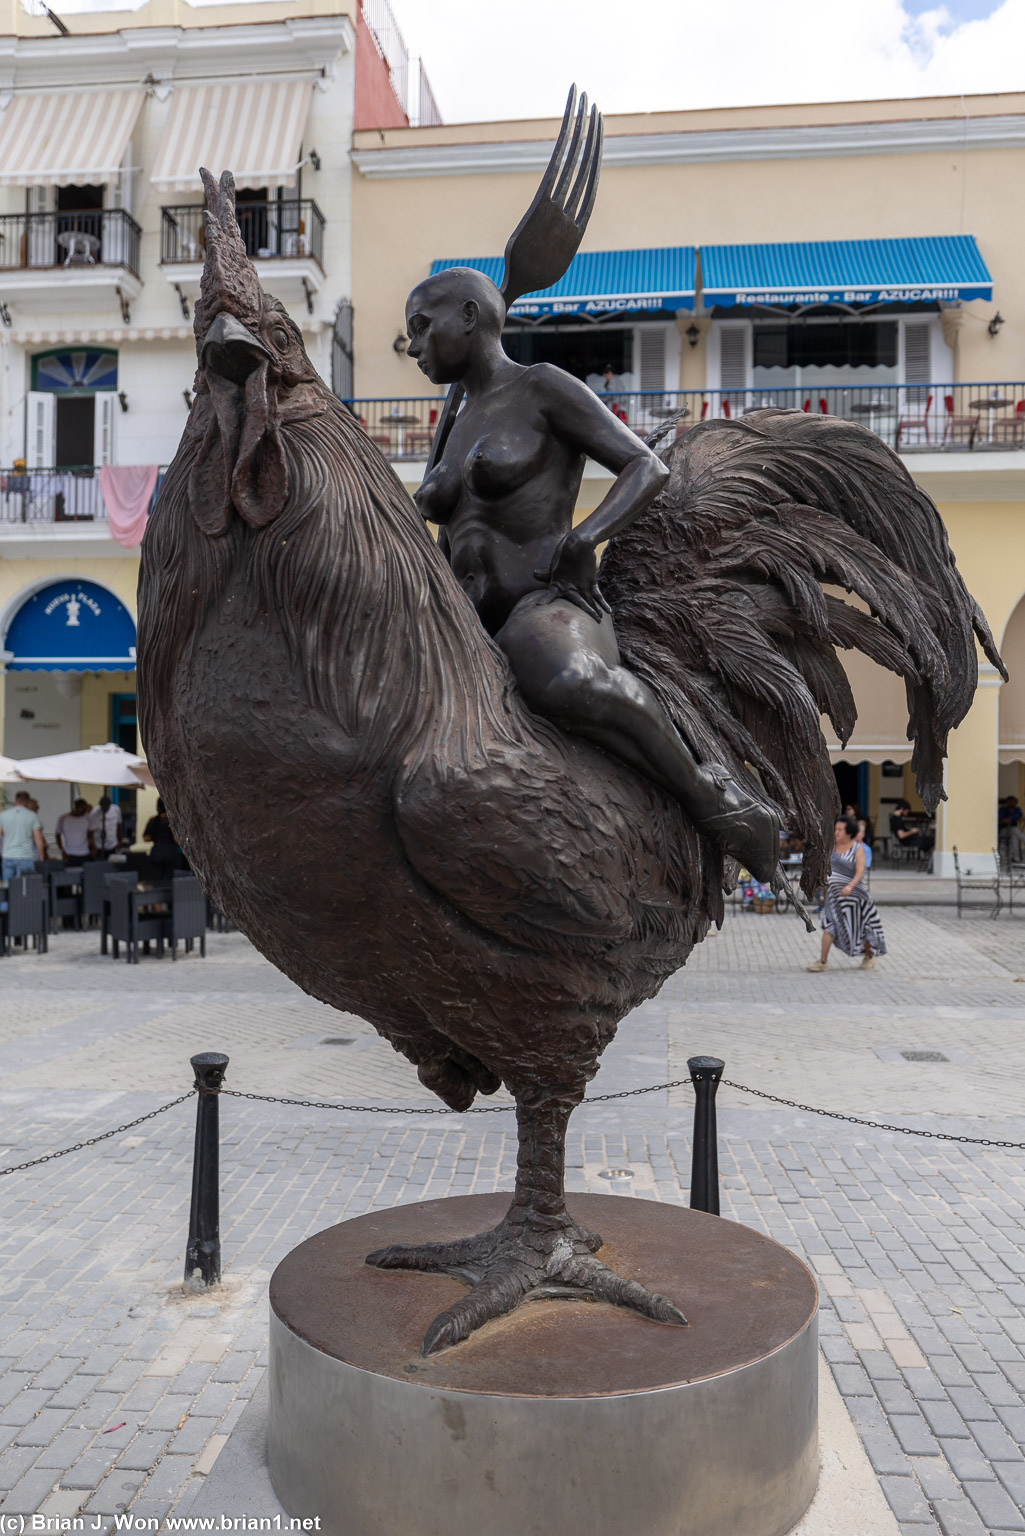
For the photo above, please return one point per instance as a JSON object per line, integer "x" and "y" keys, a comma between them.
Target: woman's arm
{"x": 578, "y": 417}
{"x": 859, "y": 870}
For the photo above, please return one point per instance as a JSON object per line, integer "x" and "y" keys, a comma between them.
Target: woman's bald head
{"x": 457, "y": 286}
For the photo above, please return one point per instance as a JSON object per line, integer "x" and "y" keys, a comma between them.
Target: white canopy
{"x": 254, "y": 128}
{"x": 109, "y": 764}
{"x": 9, "y": 770}
{"x": 77, "y": 137}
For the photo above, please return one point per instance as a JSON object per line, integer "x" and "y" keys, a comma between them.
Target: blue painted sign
{"x": 71, "y": 626}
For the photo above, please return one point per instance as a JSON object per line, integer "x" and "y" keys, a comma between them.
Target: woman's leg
{"x": 827, "y": 944}
{"x": 568, "y": 668}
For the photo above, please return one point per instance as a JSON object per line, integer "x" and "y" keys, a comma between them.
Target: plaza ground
{"x": 118, "y": 1391}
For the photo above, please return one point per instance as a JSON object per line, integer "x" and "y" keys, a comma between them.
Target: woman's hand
{"x": 572, "y": 573}
{"x": 848, "y": 888}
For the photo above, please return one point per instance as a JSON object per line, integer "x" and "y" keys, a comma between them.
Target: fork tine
{"x": 555, "y": 163}
{"x": 586, "y": 185}
{"x": 559, "y": 194}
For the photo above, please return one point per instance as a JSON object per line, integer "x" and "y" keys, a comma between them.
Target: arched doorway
{"x": 1012, "y": 708}
{"x": 70, "y": 678}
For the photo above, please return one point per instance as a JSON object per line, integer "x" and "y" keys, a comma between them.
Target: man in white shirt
{"x": 105, "y": 828}
{"x": 72, "y": 833}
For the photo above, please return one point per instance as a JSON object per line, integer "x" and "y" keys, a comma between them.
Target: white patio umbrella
{"x": 9, "y": 770}
{"x": 110, "y": 765}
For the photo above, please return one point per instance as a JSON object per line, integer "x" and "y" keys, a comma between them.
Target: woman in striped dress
{"x": 849, "y": 918}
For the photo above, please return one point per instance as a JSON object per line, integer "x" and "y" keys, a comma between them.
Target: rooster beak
{"x": 232, "y": 351}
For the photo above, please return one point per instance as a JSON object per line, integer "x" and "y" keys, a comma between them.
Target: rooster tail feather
{"x": 720, "y": 597}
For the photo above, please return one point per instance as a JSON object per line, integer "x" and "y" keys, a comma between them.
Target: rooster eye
{"x": 279, "y": 336}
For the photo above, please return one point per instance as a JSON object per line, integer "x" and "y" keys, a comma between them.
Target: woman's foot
{"x": 867, "y": 963}
{"x": 819, "y": 965}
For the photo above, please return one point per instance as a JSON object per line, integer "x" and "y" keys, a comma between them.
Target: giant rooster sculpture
{"x": 353, "y": 773}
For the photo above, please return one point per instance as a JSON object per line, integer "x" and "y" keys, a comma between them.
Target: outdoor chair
{"x": 957, "y": 428}
{"x": 990, "y": 883}
{"x": 910, "y": 423}
{"x": 1011, "y": 432}
{"x": 94, "y": 889}
{"x": 111, "y": 872}
{"x": 28, "y": 912}
{"x": 188, "y": 914}
{"x": 65, "y": 900}
{"x": 119, "y": 926}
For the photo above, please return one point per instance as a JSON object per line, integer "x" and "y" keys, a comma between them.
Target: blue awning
{"x": 602, "y": 282}
{"x": 922, "y": 269}
{"x": 72, "y": 626}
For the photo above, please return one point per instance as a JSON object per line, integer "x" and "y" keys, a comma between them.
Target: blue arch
{"x": 72, "y": 626}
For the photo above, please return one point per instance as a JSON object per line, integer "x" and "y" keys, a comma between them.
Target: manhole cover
{"x": 344, "y": 1040}
{"x": 924, "y": 1056}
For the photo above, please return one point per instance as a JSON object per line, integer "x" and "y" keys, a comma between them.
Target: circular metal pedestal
{"x": 566, "y": 1416}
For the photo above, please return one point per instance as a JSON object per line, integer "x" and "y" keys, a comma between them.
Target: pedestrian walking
{"x": 21, "y": 837}
{"x": 849, "y": 917}
{"x": 72, "y": 833}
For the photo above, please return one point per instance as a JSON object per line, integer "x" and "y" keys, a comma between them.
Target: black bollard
{"x": 203, "y": 1254}
{"x": 705, "y": 1072}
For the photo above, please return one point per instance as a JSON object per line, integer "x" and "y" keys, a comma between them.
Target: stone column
{"x": 967, "y": 819}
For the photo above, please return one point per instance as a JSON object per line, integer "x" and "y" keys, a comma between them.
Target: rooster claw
{"x": 745, "y": 826}
{"x": 508, "y": 1266}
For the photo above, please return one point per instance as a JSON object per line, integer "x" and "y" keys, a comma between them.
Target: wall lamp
{"x": 995, "y": 324}
{"x": 123, "y": 398}
{"x": 692, "y": 333}
{"x": 314, "y": 160}
{"x": 400, "y": 343}
{"x": 187, "y": 393}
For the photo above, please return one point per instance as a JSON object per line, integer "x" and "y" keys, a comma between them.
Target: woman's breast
{"x": 496, "y": 466}
{"x": 439, "y": 494}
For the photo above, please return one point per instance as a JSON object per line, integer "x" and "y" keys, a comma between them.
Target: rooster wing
{"x": 718, "y": 600}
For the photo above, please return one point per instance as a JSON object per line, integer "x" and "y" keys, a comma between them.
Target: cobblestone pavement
{"x": 118, "y": 1390}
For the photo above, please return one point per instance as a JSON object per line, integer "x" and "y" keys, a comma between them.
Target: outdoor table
{"x": 991, "y": 404}
{"x": 80, "y": 247}
{"x": 400, "y": 422}
{"x": 871, "y": 409}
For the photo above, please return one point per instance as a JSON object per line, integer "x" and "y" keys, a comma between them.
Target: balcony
{"x": 65, "y": 259}
{"x": 287, "y": 237}
{"x": 55, "y": 513}
{"x": 911, "y": 418}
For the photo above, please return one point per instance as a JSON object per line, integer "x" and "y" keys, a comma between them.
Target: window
{"x": 583, "y": 352}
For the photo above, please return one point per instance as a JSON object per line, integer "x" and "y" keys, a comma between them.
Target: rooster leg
{"x": 537, "y": 1249}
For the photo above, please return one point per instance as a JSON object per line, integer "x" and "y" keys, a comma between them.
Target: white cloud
{"x": 488, "y": 59}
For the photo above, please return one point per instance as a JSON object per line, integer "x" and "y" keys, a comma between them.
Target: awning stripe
{"x": 66, "y": 136}
{"x": 253, "y": 128}
{"x": 919, "y": 269}
{"x": 602, "y": 282}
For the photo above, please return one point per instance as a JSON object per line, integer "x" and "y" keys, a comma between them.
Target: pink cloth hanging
{"x": 127, "y": 490}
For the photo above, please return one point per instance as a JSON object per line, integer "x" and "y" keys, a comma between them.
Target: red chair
{"x": 909, "y": 424}
{"x": 704, "y": 409}
{"x": 726, "y": 409}
{"x": 806, "y": 407}
{"x": 824, "y": 407}
{"x": 952, "y": 424}
{"x": 1012, "y": 431}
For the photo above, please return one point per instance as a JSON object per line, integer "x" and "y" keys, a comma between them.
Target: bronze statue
{"x": 492, "y": 893}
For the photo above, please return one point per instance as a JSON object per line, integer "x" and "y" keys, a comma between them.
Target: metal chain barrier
{"x": 92, "y": 1140}
{"x": 632, "y": 1093}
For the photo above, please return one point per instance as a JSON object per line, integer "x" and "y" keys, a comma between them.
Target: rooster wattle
{"x": 491, "y": 894}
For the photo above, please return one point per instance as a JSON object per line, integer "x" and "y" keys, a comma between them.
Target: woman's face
{"x": 840, "y": 837}
{"x": 440, "y": 339}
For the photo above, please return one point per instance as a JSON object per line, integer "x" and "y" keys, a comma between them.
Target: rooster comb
{"x": 229, "y": 283}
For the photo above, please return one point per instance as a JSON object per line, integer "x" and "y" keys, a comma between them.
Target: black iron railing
{"x": 913, "y": 418}
{"x": 69, "y": 495}
{"x": 105, "y": 237}
{"x": 271, "y": 231}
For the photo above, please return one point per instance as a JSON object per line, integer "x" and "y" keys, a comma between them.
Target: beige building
{"x": 859, "y": 257}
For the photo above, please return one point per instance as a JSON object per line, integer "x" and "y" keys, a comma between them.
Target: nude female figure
{"x": 504, "y": 491}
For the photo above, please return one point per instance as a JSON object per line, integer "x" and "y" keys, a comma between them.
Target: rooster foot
{"x": 513, "y": 1263}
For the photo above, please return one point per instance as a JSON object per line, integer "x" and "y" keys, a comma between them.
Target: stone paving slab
{"x": 117, "y": 1389}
